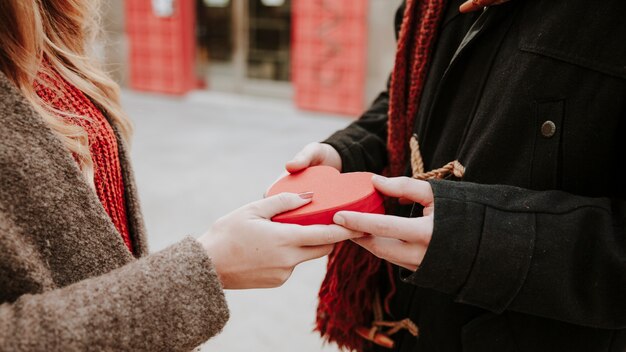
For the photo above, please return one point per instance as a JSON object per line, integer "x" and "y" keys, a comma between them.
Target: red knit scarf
{"x": 349, "y": 290}
{"x": 108, "y": 180}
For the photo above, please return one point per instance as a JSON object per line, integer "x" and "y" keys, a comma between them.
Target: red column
{"x": 329, "y": 62}
{"x": 162, "y": 49}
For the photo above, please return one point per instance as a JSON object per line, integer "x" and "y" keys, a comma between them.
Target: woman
{"x": 522, "y": 247}
{"x": 75, "y": 274}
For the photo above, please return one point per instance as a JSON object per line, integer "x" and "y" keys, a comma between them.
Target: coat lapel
{"x": 133, "y": 209}
{"x": 44, "y": 194}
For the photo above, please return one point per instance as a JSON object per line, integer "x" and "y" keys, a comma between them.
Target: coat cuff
{"x": 193, "y": 291}
{"x": 359, "y": 150}
{"x": 468, "y": 256}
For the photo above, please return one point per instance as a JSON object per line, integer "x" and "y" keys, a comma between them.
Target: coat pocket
{"x": 585, "y": 33}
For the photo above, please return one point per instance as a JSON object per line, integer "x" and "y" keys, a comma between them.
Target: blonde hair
{"x": 59, "y": 32}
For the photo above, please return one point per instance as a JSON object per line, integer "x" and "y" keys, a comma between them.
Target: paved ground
{"x": 198, "y": 158}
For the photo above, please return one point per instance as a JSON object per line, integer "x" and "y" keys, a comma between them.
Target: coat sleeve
{"x": 363, "y": 144}
{"x": 549, "y": 254}
{"x": 169, "y": 301}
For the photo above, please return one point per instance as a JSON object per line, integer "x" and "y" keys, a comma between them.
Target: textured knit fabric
{"x": 67, "y": 280}
{"x": 102, "y": 145}
{"x": 417, "y": 37}
{"x": 347, "y": 294}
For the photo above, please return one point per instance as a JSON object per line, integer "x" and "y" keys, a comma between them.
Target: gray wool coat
{"x": 67, "y": 281}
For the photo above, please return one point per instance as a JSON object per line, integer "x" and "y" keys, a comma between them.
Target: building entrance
{"x": 244, "y": 46}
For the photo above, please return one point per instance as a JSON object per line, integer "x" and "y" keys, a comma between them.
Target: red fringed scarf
{"x": 348, "y": 297}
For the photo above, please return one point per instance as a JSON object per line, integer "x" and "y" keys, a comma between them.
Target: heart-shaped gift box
{"x": 333, "y": 192}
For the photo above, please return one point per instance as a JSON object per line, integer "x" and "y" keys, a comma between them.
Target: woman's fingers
{"x": 310, "y": 253}
{"x": 404, "y": 187}
{"x": 405, "y": 229}
{"x": 406, "y": 255}
{"x": 280, "y": 203}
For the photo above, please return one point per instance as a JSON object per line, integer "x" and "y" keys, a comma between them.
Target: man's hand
{"x": 314, "y": 154}
{"x": 402, "y": 241}
{"x": 473, "y": 5}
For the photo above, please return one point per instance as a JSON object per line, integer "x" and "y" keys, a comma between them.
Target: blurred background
{"x": 223, "y": 93}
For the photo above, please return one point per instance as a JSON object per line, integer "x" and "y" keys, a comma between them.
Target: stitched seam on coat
{"x": 608, "y": 211}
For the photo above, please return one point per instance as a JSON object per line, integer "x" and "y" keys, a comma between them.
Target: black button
{"x": 548, "y": 129}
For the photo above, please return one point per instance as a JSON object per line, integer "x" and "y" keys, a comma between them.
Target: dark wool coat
{"x": 529, "y": 250}
{"x": 67, "y": 281}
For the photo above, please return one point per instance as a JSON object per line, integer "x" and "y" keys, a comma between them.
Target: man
{"x": 520, "y": 108}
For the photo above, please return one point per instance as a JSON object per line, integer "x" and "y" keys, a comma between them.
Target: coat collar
{"x": 46, "y": 197}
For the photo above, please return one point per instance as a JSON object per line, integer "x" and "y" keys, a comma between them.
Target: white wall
{"x": 381, "y": 45}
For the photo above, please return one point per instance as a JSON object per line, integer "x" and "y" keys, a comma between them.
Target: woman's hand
{"x": 473, "y": 5}
{"x": 402, "y": 241}
{"x": 250, "y": 251}
{"x": 315, "y": 154}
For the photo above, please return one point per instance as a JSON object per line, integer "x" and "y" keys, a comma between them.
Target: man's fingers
{"x": 470, "y": 5}
{"x": 280, "y": 203}
{"x": 474, "y": 5}
{"x": 298, "y": 163}
{"x": 404, "y": 187}
{"x": 405, "y": 229}
{"x": 403, "y": 254}
{"x": 310, "y": 155}
{"x": 317, "y": 235}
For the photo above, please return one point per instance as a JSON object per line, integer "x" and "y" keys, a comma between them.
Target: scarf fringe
{"x": 352, "y": 273}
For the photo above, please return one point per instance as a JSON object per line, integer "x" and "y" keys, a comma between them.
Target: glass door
{"x": 270, "y": 38}
{"x": 244, "y": 45}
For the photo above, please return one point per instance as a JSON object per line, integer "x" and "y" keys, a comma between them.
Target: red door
{"x": 329, "y": 55}
{"x": 162, "y": 45}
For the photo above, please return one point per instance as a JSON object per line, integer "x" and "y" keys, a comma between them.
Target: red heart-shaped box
{"x": 333, "y": 192}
